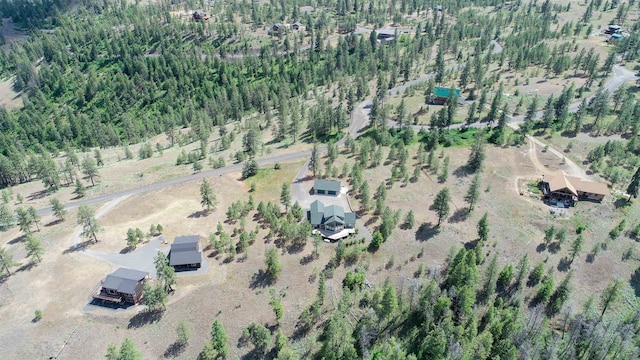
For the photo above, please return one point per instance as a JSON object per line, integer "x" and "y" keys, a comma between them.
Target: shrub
{"x": 37, "y": 316}
{"x": 249, "y": 169}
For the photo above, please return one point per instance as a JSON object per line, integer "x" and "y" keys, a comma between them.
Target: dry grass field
{"x": 232, "y": 293}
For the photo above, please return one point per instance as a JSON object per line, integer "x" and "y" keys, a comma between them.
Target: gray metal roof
{"x": 185, "y": 250}
{"x": 334, "y": 213}
{"x": 316, "y": 212}
{"x": 350, "y": 219}
{"x": 124, "y": 280}
{"x": 327, "y": 185}
{"x": 320, "y": 214}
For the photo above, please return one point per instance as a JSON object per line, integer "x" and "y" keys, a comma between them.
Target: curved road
{"x": 359, "y": 120}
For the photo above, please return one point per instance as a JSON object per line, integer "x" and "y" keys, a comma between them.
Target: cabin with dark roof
{"x": 122, "y": 286}
{"x": 199, "y": 15}
{"x": 326, "y": 187}
{"x": 186, "y": 253}
{"x": 332, "y": 217}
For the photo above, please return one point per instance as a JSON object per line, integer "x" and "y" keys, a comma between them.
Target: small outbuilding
{"x": 186, "y": 253}
{"x": 122, "y": 286}
{"x": 613, "y": 29}
{"x": 199, "y": 15}
{"x": 441, "y": 95}
{"x": 326, "y": 187}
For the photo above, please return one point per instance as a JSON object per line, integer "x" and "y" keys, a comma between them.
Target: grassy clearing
{"x": 268, "y": 181}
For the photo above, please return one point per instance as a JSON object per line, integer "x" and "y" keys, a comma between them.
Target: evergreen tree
{"x": 410, "y": 220}
{"x": 208, "y": 198}
{"x": 314, "y": 162}
{"x": 473, "y": 193}
{"x": 6, "y": 261}
{"x": 477, "y": 156}
{"x": 610, "y": 295}
{"x": 165, "y": 273}
{"x": 634, "y": 185}
{"x": 483, "y": 228}
{"x": 80, "y": 189}
{"x": 90, "y": 169}
{"x": 58, "y": 209}
{"x": 34, "y": 248}
{"x": 576, "y": 247}
{"x": 441, "y": 204}
{"x": 272, "y": 262}
{"x": 285, "y": 196}
{"x": 86, "y": 219}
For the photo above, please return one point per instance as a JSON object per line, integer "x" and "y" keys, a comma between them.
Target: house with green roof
{"x": 442, "y": 94}
{"x": 332, "y": 217}
{"x": 326, "y": 187}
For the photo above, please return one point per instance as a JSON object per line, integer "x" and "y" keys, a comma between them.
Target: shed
{"x": 442, "y": 94}
{"x": 186, "y": 253}
{"x": 326, "y": 187}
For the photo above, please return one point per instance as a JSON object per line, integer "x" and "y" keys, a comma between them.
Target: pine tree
{"x": 634, "y": 185}
{"x": 80, "y": 189}
{"x": 576, "y": 247}
{"x": 6, "y": 261}
{"x": 314, "y": 162}
{"x": 58, "y": 209}
{"x": 477, "y": 156}
{"x": 441, "y": 204}
{"x": 34, "y": 248}
{"x": 610, "y": 295}
{"x": 90, "y": 169}
{"x": 272, "y": 262}
{"x": 208, "y": 198}
{"x": 473, "y": 193}
{"x": 483, "y": 228}
{"x": 285, "y": 196}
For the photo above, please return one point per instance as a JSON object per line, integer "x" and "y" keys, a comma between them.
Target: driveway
{"x": 139, "y": 259}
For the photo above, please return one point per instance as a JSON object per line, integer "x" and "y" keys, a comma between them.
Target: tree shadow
{"x": 260, "y": 279}
{"x": 621, "y": 203}
{"x": 371, "y": 221}
{"x": 470, "y": 245}
{"x": 198, "y": 214}
{"x": 635, "y": 282}
{"x": 591, "y": 257}
{"x": 26, "y": 267}
{"x": 307, "y": 259}
{"x": 461, "y": 171}
{"x": 38, "y": 195}
{"x": 17, "y": 239}
{"x": 426, "y": 231}
{"x": 459, "y": 215}
{"x": 564, "y": 264}
{"x": 541, "y": 247}
{"x": 554, "y": 247}
{"x": 77, "y": 247}
{"x": 54, "y": 222}
{"x": 296, "y": 247}
{"x": 174, "y": 350}
{"x": 144, "y": 318}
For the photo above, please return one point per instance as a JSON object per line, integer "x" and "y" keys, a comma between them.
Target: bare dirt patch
{"x": 8, "y": 97}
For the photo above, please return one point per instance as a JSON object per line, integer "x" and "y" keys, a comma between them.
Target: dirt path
{"x": 573, "y": 168}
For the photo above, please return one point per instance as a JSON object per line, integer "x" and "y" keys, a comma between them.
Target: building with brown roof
{"x": 571, "y": 188}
